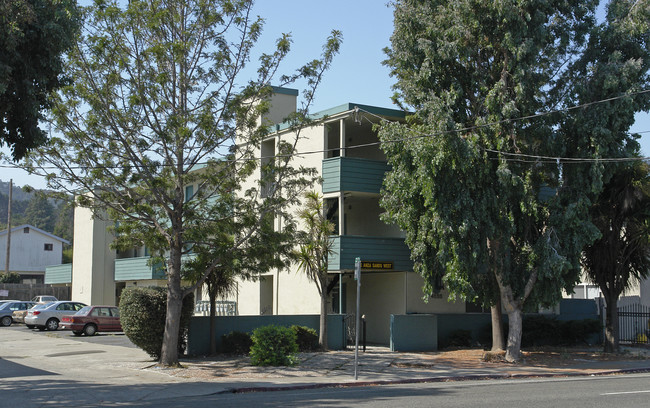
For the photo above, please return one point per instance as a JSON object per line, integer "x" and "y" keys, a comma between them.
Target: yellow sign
{"x": 376, "y": 265}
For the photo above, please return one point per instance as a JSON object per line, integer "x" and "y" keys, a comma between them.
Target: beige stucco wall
{"x": 281, "y": 106}
{"x": 93, "y": 262}
{"x": 382, "y": 294}
{"x": 416, "y": 304}
{"x": 362, "y": 218}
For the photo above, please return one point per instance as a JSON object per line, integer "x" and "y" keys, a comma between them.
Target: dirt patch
{"x": 541, "y": 357}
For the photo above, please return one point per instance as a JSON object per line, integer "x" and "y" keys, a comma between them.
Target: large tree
{"x": 40, "y": 213}
{"x": 157, "y": 100}
{"x": 616, "y": 61}
{"x": 475, "y": 183}
{"x": 620, "y": 258}
{"x": 33, "y": 36}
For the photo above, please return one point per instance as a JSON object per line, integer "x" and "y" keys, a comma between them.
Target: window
{"x": 26, "y": 230}
{"x": 49, "y": 247}
{"x": 189, "y": 192}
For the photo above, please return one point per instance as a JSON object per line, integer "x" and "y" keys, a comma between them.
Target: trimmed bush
{"x": 274, "y": 346}
{"x": 142, "y": 315}
{"x": 236, "y": 342}
{"x": 540, "y": 330}
{"x": 306, "y": 338}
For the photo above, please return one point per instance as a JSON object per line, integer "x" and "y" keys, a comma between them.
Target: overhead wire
{"x": 357, "y": 119}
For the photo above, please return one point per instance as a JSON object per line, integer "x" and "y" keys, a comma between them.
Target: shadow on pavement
{"x": 10, "y": 369}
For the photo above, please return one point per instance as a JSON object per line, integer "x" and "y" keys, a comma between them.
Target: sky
{"x": 357, "y": 74}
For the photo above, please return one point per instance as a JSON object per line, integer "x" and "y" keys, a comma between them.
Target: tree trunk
{"x": 169, "y": 352}
{"x": 213, "y": 313}
{"x": 322, "y": 333}
{"x": 513, "y": 350}
{"x": 611, "y": 325}
{"x": 497, "y": 327}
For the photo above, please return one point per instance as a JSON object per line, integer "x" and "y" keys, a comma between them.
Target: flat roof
{"x": 347, "y": 107}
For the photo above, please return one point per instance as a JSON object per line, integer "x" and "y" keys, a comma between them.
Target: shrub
{"x": 459, "y": 338}
{"x": 236, "y": 342}
{"x": 273, "y": 345}
{"x": 306, "y": 338}
{"x": 548, "y": 331}
{"x": 11, "y": 277}
{"x": 142, "y": 315}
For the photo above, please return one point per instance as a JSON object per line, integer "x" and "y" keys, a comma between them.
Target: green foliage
{"x": 236, "y": 342}
{"x": 306, "y": 338}
{"x": 33, "y": 36}
{"x": 620, "y": 257}
{"x": 274, "y": 345}
{"x": 40, "y": 213}
{"x": 541, "y": 330}
{"x": 142, "y": 314}
{"x": 67, "y": 255}
{"x": 11, "y": 277}
{"x": 35, "y": 207}
{"x": 170, "y": 165}
{"x": 478, "y": 199}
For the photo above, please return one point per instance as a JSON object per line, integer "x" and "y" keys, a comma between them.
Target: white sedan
{"x": 48, "y": 315}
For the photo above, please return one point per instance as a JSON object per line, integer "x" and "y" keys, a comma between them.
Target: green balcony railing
{"x": 353, "y": 174}
{"x": 137, "y": 269}
{"x": 370, "y": 249}
{"x": 58, "y": 274}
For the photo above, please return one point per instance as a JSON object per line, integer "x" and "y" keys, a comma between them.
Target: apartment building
{"x": 343, "y": 147}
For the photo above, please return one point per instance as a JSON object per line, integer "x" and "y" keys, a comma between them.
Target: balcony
{"x": 370, "y": 249}
{"x": 127, "y": 269}
{"x": 58, "y": 274}
{"x": 353, "y": 174}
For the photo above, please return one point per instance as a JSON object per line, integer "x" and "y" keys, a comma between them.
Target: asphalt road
{"x": 628, "y": 391}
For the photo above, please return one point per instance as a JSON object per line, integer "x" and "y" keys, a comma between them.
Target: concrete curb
{"x": 477, "y": 377}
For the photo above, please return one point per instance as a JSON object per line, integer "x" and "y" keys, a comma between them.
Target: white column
{"x": 326, "y": 147}
{"x": 341, "y": 217}
{"x": 342, "y": 133}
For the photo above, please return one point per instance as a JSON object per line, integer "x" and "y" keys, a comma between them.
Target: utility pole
{"x": 11, "y": 187}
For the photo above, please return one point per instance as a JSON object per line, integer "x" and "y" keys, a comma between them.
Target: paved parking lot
{"x": 109, "y": 339}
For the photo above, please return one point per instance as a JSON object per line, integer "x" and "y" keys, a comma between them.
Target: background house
{"x": 32, "y": 250}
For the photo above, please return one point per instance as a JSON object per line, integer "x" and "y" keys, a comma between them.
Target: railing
{"x": 222, "y": 308}
{"x": 633, "y": 323}
{"x": 353, "y": 174}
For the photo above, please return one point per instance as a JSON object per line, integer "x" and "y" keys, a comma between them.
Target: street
{"x": 612, "y": 391}
{"x": 56, "y": 368}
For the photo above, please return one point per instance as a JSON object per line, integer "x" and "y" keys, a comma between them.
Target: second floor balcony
{"x": 353, "y": 174}
{"x": 375, "y": 250}
{"x": 127, "y": 269}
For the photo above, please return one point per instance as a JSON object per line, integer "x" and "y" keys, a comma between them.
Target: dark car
{"x": 92, "y": 319}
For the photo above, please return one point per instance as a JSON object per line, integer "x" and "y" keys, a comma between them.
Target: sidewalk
{"x": 37, "y": 368}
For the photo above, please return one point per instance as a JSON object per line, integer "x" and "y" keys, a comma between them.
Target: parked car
{"x": 8, "y": 311}
{"x": 48, "y": 315}
{"x": 92, "y": 319}
{"x": 19, "y": 315}
{"x": 44, "y": 299}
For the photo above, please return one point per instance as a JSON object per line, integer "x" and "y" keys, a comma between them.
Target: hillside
{"x": 35, "y": 208}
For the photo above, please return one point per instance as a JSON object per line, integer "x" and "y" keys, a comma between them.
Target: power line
{"x": 419, "y": 136}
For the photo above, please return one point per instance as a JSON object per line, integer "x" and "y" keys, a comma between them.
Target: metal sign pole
{"x": 357, "y": 277}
